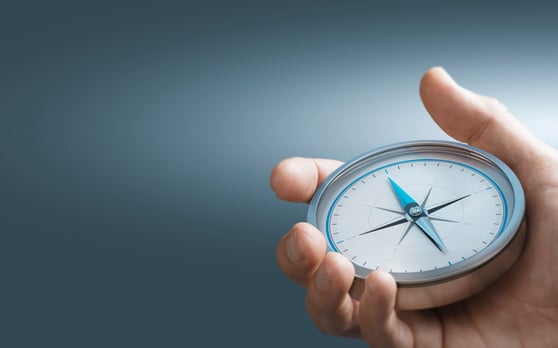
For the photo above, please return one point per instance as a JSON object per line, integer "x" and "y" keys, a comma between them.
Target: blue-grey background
{"x": 137, "y": 139}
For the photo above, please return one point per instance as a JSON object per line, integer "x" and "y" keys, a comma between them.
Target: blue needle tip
{"x": 402, "y": 196}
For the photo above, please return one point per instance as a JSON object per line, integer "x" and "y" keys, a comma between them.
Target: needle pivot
{"x": 415, "y": 211}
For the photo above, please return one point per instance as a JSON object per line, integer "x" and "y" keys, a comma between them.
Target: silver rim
{"x": 516, "y": 207}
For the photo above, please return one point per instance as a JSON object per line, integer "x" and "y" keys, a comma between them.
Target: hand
{"x": 520, "y": 309}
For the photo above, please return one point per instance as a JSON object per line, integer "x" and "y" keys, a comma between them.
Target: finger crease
{"x": 478, "y": 134}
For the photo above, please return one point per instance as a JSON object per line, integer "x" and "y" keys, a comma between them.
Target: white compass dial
{"x": 368, "y": 224}
{"x": 443, "y": 218}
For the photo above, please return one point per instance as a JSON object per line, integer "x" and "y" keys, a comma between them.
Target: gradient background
{"x": 137, "y": 140}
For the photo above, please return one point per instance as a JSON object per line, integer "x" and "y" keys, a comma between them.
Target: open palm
{"x": 520, "y": 309}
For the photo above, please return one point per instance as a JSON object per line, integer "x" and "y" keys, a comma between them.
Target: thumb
{"x": 482, "y": 122}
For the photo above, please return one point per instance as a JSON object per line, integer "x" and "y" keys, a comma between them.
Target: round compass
{"x": 445, "y": 219}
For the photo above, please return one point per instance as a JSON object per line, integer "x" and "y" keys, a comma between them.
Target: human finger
{"x": 300, "y": 252}
{"x": 380, "y": 325}
{"x": 482, "y": 122}
{"x": 328, "y": 301}
{"x": 296, "y": 179}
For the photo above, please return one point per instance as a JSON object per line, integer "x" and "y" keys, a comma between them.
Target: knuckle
{"x": 328, "y": 320}
{"x": 298, "y": 271}
{"x": 321, "y": 319}
{"x": 495, "y": 105}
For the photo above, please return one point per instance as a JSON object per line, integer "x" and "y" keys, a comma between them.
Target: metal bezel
{"x": 413, "y": 279}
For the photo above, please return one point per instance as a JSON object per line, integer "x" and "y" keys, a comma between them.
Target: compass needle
{"x": 466, "y": 219}
{"x": 418, "y": 215}
{"x": 426, "y": 226}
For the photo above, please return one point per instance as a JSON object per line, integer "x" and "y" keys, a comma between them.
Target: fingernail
{"x": 292, "y": 249}
{"x": 322, "y": 278}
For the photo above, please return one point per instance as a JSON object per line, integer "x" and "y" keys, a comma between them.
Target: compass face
{"x": 424, "y": 211}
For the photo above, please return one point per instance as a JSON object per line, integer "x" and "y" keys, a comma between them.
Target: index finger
{"x": 296, "y": 179}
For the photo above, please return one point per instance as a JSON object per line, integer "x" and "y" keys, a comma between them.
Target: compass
{"x": 444, "y": 218}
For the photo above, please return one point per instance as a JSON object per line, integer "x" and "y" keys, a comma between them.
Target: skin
{"x": 519, "y": 310}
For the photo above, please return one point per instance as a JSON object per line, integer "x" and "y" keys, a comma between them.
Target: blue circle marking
{"x": 328, "y": 232}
